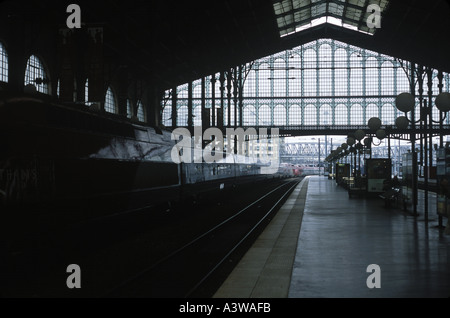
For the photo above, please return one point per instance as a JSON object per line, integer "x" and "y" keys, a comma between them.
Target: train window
{"x": 35, "y": 74}
{"x": 3, "y": 64}
{"x": 110, "y": 102}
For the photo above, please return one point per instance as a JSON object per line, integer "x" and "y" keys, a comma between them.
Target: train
{"x": 291, "y": 170}
{"x": 65, "y": 163}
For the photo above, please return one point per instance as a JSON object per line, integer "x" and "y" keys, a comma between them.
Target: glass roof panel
{"x": 336, "y": 9}
{"x": 319, "y": 10}
{"x": 298, "y": 15}
{"x": 353, "y": 14}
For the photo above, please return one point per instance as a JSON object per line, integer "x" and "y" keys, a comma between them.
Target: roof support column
{"x": 235, "y": 94}
{"x": 222, "y": 102}
{"x": 441, "y": 119}
{"x": 174, "y": 107}
{"x": 66, "y": 75}
{"x": 241, "y": 96}
{"x": 205, "y": 111}
{"x": 122, "y": 94}
{"x": 213, "y": 99}
{"x": 413, "y": 140}
{"x": 153, "y": 106}
{"x": 97, "y": 87}
{"x": 190, "y": 121}
{"x": 229, "y": 98}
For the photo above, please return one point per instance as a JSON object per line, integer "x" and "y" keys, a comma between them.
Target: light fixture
{"x": 405, "y": 102}
{"x": 350, "y": 141}
{"x": 402, "y": 122}
{"x": 381, "y": 134}
{"x": 367, "y": 141}
{"x": 359, "y": 134}
{"x": 374, "y": 123}
{"x": 443, "y": 102}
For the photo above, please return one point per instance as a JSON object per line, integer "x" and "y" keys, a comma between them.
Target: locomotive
{"x": 65, "y": 163}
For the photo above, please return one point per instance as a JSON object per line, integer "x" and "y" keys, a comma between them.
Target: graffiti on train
{"x": 17, "y": 183}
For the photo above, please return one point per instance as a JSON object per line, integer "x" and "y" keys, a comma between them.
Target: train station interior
{"x": 225, "y": 149}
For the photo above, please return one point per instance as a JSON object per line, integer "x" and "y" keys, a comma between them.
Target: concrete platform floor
{"x": 339, "y": 237}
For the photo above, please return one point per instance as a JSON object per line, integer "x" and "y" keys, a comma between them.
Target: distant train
{"x": 61, "y": 164}
{"x": 290, "y": 170}
{"x": 311, "y": 170}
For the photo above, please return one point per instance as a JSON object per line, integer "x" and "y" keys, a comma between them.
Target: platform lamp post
{"x": 352, "y": 151}
{"x": 374, "y": 124}
{"x": 359, "y": 136}
{"x": 405, "y": 102}
{"x": 443, "y": 104}
{"x": 345, "y": 152}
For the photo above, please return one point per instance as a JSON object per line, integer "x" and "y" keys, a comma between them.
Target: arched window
{"x": 264, "y": 75}
{"x": 356, "y": 75}
{"x": 325, "y": 73}
{"x": 387, "y": 78}
{"x": 249, "y": 85}
{"x": 182, "y": 91}
{"x": 232, "y": 117}
{"x": 371, "y": 111}
{"x": 167, "y": 114}
{"x": 35, "y": 74}
{"x": 279, "y": 78}
{"x": 372, "y": 78}
{"x": 356, "y": 115}
{"x": 310, "y": 73}
{"x": 249, "y": 115}
{"x": 182, "y": 118}
{"x": 310, "y": 115}
{"x": 295, "y": 115}
{"x": 3, "y": 64}
{"x": 264, "y": 116}
{"x": 140, "y": 111}
{"x": 197, "y": 89}
{"x": 326, "y": 115}
{"x": 129, "y": 109}
{"x": 110, "y": 102}
{"x": 387, "y": 114}
{"x": 341, "y": 115}
{"x": 295, "y": 75}
{"x": 341, "y": 73}
{"x": 279, "y": 115}
{"x": 217, "y": 89}
{"x": 86, "y": 93}
{"x": 197, "y": 113}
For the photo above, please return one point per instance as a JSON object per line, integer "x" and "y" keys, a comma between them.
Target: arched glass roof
{"x": 298, "y": 15}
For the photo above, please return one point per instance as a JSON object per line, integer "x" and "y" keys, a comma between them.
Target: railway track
{"x": 185, "y": 272}
{"x": 122, "y": 255}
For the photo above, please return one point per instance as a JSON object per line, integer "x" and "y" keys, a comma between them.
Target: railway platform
{"x": 323, "y": 244}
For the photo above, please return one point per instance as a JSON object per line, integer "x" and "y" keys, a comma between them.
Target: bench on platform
{"x": 390, "y": 196}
